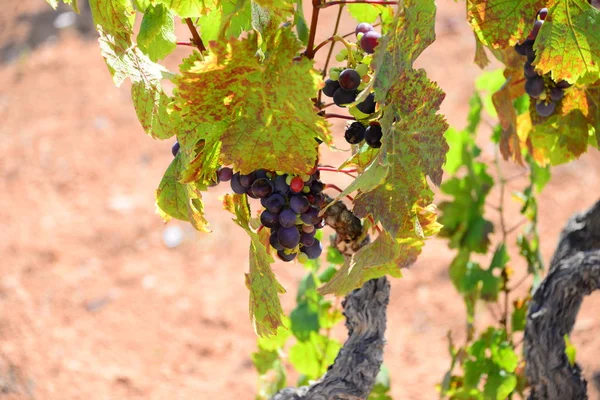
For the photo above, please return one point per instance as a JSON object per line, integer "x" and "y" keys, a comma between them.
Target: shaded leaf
{"x": 157, "y": 32}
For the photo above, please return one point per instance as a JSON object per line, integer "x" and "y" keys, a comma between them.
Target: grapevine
{"x": 252, "y": 109}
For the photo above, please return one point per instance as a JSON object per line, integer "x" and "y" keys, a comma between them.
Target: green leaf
{"x": 502, "y": 23}
{"x": 366, "y": 12}
{"x": 265, "y": 123}
{"x": 265, "y": 308}
{"x": 500, "y": 258}
{"x": 72, "y": 3}
{"x": 278, "y": 340}
{"x": 312, "y": 357}
{"x": 263, "y": 360}
{"x": 519, "y": 315}
{"x": 570, "y": 350}
{"x": 305, "y": 319}
{"x": 157, "y": 32}
{"x": 189, "y": 8}
{"x": 229, "y": 20}
{"x": 499, "y": 385}
{"x": 301, "y": 27}
{"x": 568, "y": 45}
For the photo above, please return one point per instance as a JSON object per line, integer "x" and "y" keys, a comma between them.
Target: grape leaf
{"x": 229, "y": 20}
{"x": 382, "y": 257}
{"x": 114, "y": 22}
{"x": 72, "y": 3}
{"x": 366, "y": 12}
{"x": 502, "y": 23}
{"x": 481, "y": 58}
{"x": 157, "y": 32}
{"x": 312, "y": 357}
{"x": 568, "y": 45}
{"x": 268, "y": 121}
{"x": 189, "y": 8}
{"x": 265, "y": 308}
{"x": 300, "y": 22}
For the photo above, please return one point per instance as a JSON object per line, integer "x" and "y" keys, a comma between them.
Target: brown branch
{"x": 310, "y": 51}
{"x": 574, "y": 273}
{"x": 338, "y": 116}
{"x": 196, "y": 36}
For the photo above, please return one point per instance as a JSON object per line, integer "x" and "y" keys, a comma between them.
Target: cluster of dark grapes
{"x": 356, "y": 132}
{"x": 542, "y": 89}
{"x": 291, "y": 209}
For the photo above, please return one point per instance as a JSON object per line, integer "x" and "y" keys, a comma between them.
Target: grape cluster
{"x": 356, "y": 132}
{"x": 291, "y": 209}
{"x": 542, "y": 89}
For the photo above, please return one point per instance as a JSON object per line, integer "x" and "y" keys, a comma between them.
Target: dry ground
{"x": 93, "y": 305}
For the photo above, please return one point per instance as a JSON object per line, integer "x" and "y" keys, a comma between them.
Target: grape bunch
{"x": 291, "y": 209}
{"x": 542, "y": 89}
{"x": 356, "y": 132}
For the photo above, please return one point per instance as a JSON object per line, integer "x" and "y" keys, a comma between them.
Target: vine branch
{"x": 195, "y": 35}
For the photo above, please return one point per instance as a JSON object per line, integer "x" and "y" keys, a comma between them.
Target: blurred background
{"x": 99, "y": 299}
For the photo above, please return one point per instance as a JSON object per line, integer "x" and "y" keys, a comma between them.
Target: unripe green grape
{"x": 334, "y": 74}
{"x": 359, "y": 35}
{"x": 302, "y": 257}
{"x": 341, "y": 56}
{"x": 367, "y": 59}
{"x": 362, "y": 69}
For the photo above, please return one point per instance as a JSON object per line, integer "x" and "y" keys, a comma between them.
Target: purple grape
{"x": 274, "y": 240}
{"x": 248, "y": 180}
{"x": 307, "y": 239}
{"x": 317, "y": 187}
{"x": 273, "y": 203}
{"x": 175, "y": 149}
{"x": 349, "y": 79}
{"x": 543, "y": 13}
{"x": 250, "y": 193}
{"x": 262, "y": 187}
{"x": 280, "y": 185}
{"x": 299, "y": 203}
{"x": 260, "y": 173}
{"x": 529, "y": 70}
{"x": 545, "y": 109}
{"x": 224, "y": 174}
{"x": 330, "y": 87}
{"x": 368, "y": 105}
{"x": 373, "y": 136}
{"x": 269, "y": 219}
{"x": 289, "y": 237}
{"x": 311, "y": 216}
{"x": 309, "y": 229}
{"x": 355, "y": 133}
{"x": 287, "y": 218}
{"x": 313, "y": 251}
{"x": 369, "y": 41}
{"x": 523, "y": 47}
{"x": 236, "y": 186}
{"x": 285, "y": 257}
{"x": 535, "y": 86}
{"x": 343, "y": 97}
{"x": 556, "y": 93}
{"x": 363, "y": 27}
{"x": 563, "y": 84}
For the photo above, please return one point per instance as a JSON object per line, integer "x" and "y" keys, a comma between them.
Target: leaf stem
{"x": 338, "y": 116}
{"x": 342, "y": 2}
{"x": 310, "y": 50}
{"x": 332, "y": 169}
{"x": 184, "y": 44}
{"x": 197, "y": 39}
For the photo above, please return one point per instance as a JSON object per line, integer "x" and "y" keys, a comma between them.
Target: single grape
{"x": 224, "y": 174}
{"x": 522, "y": 48}
{"x": 363, "y": 27}
{"x": 349, "y": 79}
{"x": 250, "y": 193}
{"x": 309, "y": 229}
{"x": 296, "y": 184}
{"x": 287, "y": 218}
{"x": 556, "y": 93}
{"x": 285, "y": 257}
{"x": 281, "y": 186}
{"x": 274, "y": 240}
{"x": 269, "y": 219}
{"x": 355, "y": 133}
{"x": 307, "y": 239}
{"x": 543, "y": 13}
{"x": 236, "y": 186}
{"x": 343, "y": 97}
{"x": 330, "y": 87}
{"x": 289, "y": 237}
{"x": 563, "y": 84}
{"x": 302, "y": 257}
{"x": 334, "y": 74}
{"x": 175, "y": 149}
{"x": 368, "y": 105}
{"x": 369, "y": 41}
{"x": 529, "y": 70}
{"x": 373, "y": 136}
{"x": 260, "y": 173}
{"x": 262, "y": 187}
{"x": 248, "y": 180}
{"x": 299, "y": 203}
{"x": 362, "y": 69}
{"x": 313, "y": 251}
{"x": 274, "y": 202}
{"x": 311, "y": 216}
{"x": 536, "y": 29}
{"x": 317, "y": 187}
{"x": 545, "y": 109}
{"x": 535, "y": 86}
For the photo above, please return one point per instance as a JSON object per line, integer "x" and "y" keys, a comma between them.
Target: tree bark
{"x": 574, "y": 273}
{"x": 352, "y": 375}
